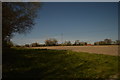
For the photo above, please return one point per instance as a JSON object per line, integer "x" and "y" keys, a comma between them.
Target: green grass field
{"x": 44, "y": 64}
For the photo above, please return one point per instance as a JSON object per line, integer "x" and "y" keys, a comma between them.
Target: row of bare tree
{"x": 54, "y": 42}
{"x": 107, "y": 42}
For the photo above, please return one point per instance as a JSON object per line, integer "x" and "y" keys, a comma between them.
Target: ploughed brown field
{"x": 108, "y": 50}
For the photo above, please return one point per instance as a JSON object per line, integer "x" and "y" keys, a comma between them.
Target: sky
{"x": 84, "y": 21}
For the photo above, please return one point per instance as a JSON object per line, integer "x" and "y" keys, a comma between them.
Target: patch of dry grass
{"x": 108, "y": 50}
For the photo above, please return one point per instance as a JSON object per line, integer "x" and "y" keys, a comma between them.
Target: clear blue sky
{"x": 84, "y": 21}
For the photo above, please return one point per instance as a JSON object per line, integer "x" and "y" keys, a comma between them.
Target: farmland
{"x": 108, "y": 50}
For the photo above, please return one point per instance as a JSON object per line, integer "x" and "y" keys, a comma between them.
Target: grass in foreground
{"x": 44, "y": 64}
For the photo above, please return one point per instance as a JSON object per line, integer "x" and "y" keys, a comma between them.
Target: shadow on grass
{"x": 44, "y": 64}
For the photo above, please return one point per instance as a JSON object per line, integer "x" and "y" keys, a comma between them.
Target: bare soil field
{"x": 108, "y": 50}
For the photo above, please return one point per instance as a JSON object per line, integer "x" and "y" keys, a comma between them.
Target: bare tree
{"x": 118, "y": 42}
{"x": 27, "y": 45}
{"x": 35, "y": 44}
{"x": 67, "y": 43}
{"x": 107, "y": 41}
{"x": 51, "y": 42}
{"x": 77, "y": 42}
